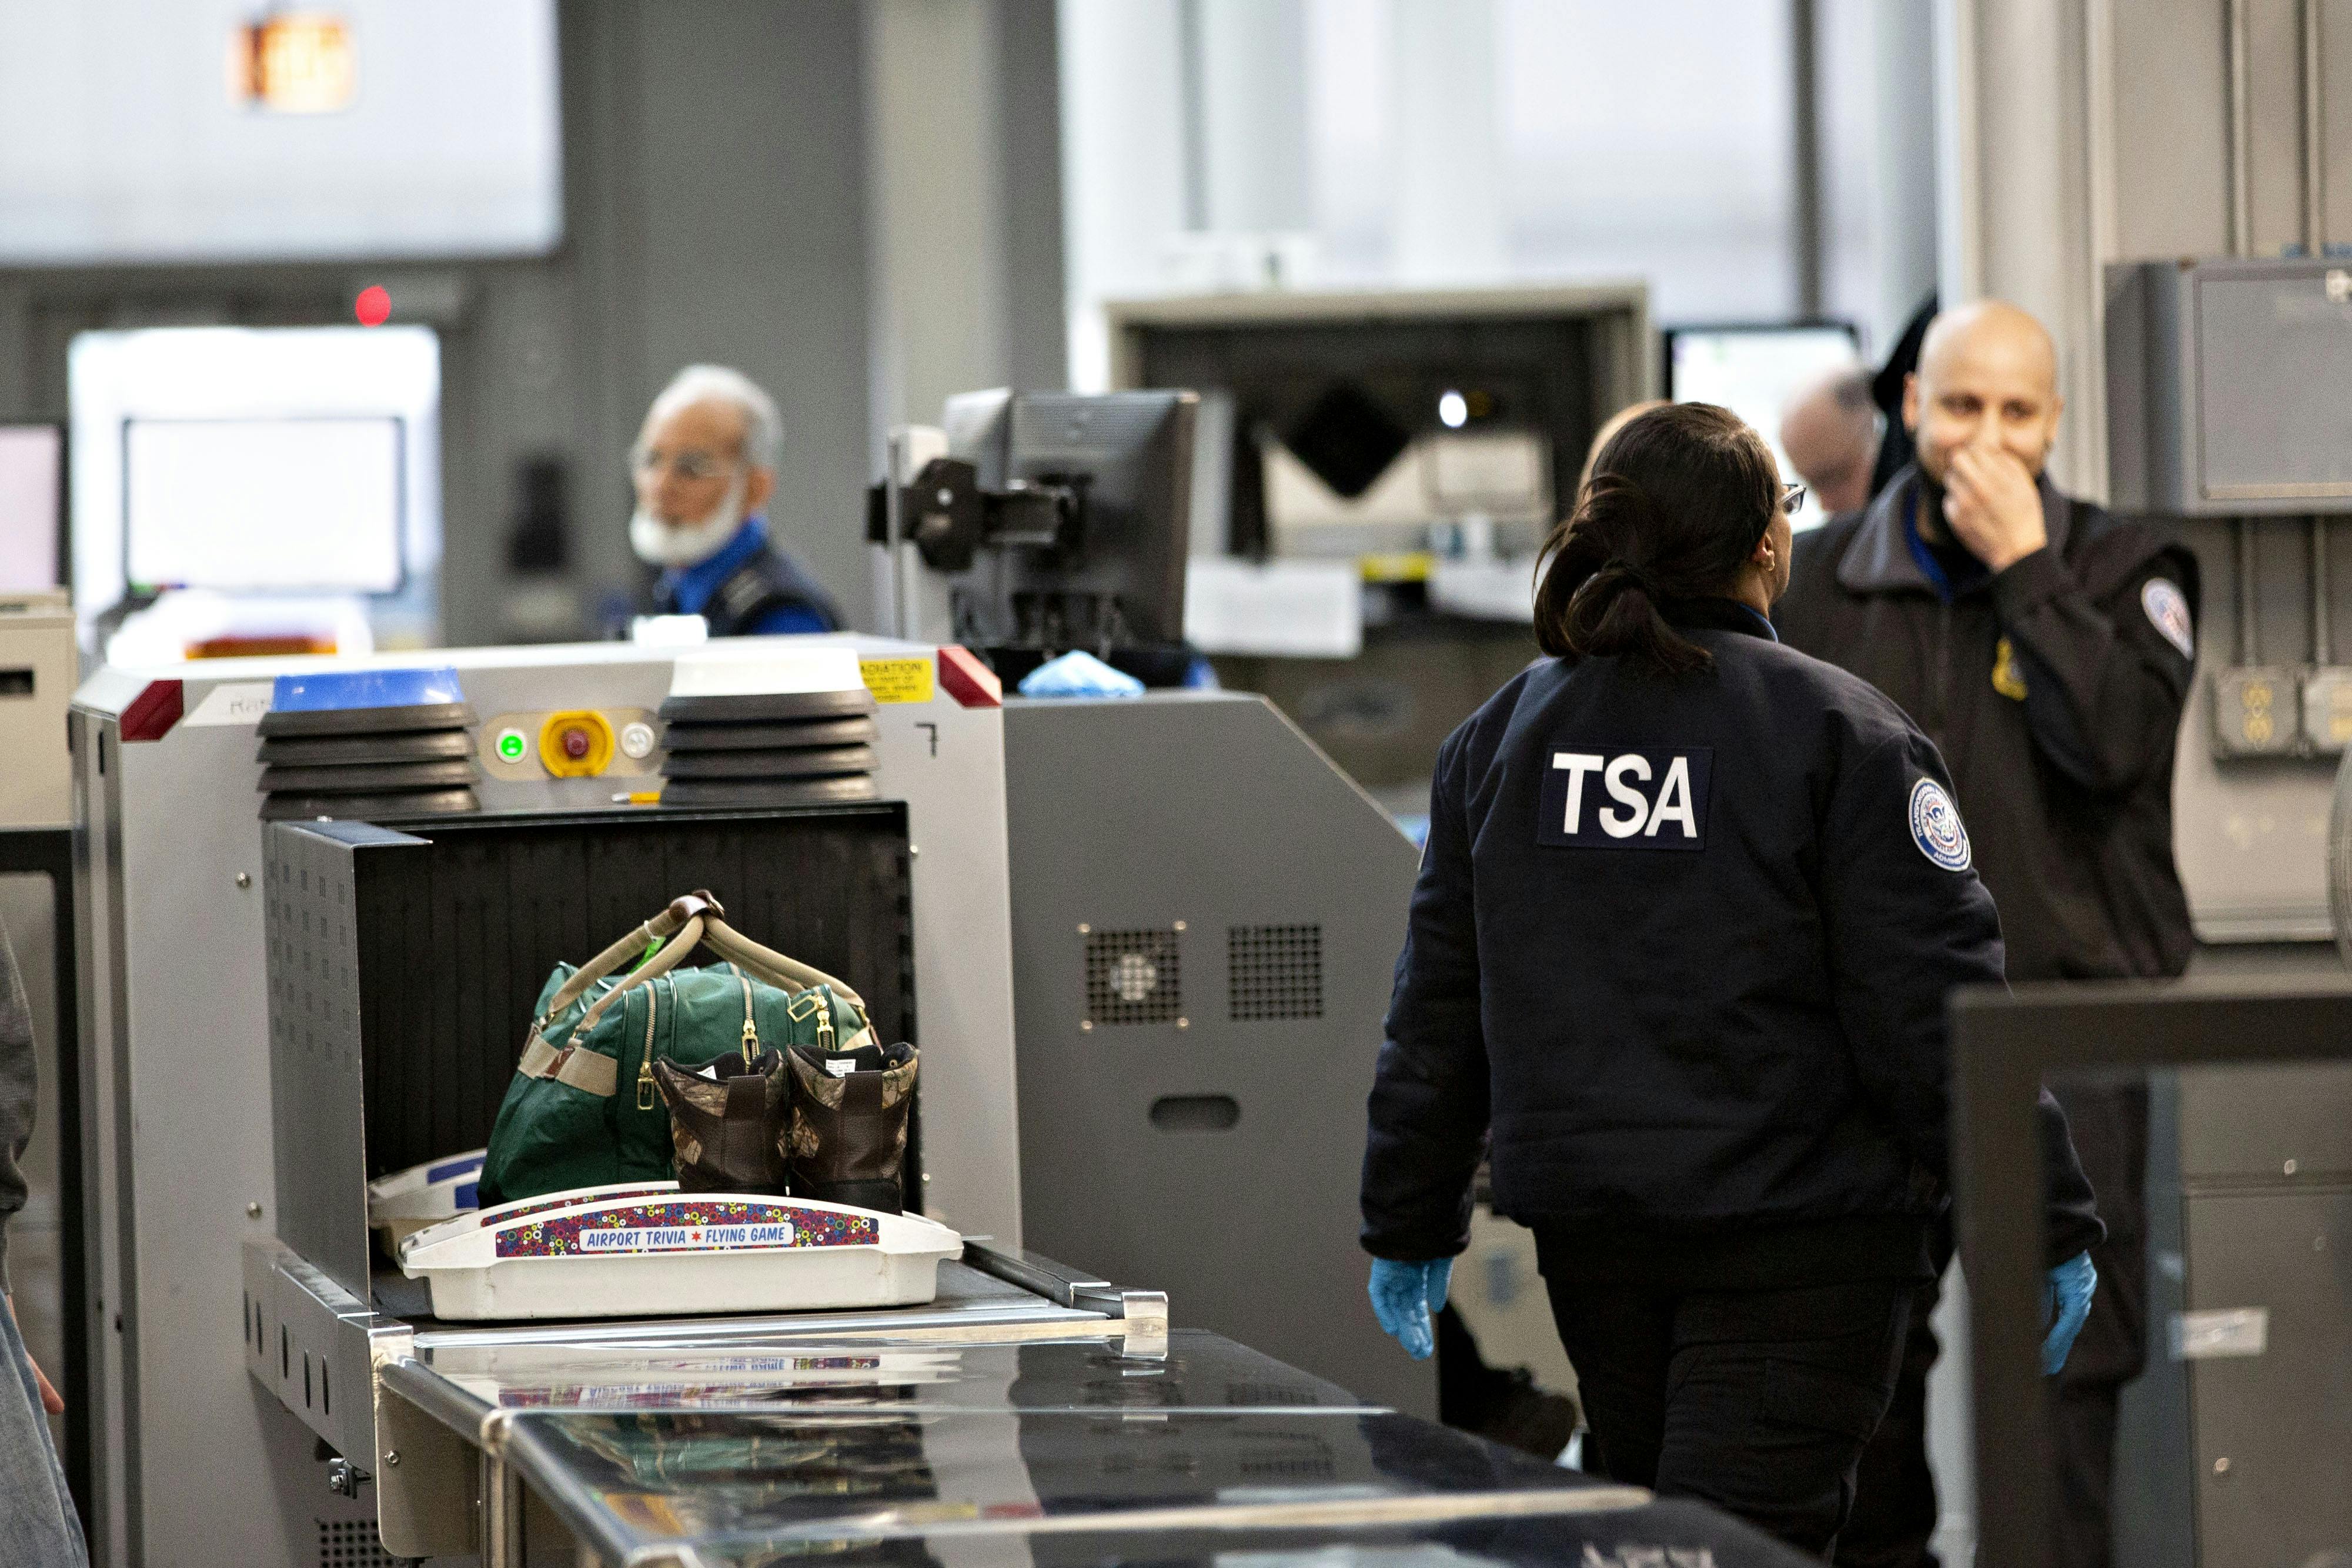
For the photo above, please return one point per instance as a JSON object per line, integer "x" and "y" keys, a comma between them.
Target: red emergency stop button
{"x": 577, "y": 744}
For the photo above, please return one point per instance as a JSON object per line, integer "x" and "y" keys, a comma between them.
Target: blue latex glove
{"x": 1404, "y": 1295}
{"x": 1078, "y": 676}
{"x": 2066, "y": 1301}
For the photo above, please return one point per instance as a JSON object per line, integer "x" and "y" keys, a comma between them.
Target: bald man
{"x": 1830, "y": 431}
{"x": 2046, "y": 648}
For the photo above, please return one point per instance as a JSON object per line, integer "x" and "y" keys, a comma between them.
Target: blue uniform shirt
{"x": 690, "y": 586}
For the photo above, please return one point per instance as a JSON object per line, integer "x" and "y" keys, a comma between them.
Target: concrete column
{"x": 1123, "y": 162}
{"x": 1252, "y": 102}
{"x": 935, "y": 216}
{"x": 1450, "y": 218}
{"x": 965, "y": 203}
{"x": 1903, "y": 172}
{"x": 1029, "y": 86}
{"x": 2020, "y": 187}
{"x": 1877, "y": 74}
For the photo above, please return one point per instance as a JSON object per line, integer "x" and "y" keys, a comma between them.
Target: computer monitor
{"x": 32, "y": 505}
{"x": 1753, "y": 370}
{"x": 309, "y": 505}
{"x": 1095, "y": 559}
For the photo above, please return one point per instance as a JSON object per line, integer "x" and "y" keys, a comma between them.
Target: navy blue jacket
{"x": 1684, "y": 944}
{"x": 2055, "y": 688}
{"x": 751, "y": 588}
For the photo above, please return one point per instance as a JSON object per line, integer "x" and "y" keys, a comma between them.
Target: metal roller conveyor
{"x": 1031, "y": 1414}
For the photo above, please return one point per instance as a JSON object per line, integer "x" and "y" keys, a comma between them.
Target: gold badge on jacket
{"x": 2007, "y": 678}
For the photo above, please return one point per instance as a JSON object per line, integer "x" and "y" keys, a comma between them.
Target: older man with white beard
{"x": 705, "y": 465}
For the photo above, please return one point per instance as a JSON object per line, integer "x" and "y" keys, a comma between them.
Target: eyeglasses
{"x": 1792, "y": 499}
{"x": 687, "y": 465}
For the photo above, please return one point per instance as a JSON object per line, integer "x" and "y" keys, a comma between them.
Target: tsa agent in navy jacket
{"x": 1689, "y": 911}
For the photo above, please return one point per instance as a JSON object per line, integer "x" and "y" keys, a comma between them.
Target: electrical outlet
{"x": 2328, "y": 709}
{"x": 2255, "y": 712}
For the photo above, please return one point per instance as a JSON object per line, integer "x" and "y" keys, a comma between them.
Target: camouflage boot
{"x": 728, "y": 1128}
{"x": 849, "y": 1124}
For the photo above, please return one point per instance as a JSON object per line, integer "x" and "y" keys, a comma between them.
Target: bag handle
{"x": 680, "y": 926}
{"x": 773, "y": 966}
{"x": 690, "y": 920}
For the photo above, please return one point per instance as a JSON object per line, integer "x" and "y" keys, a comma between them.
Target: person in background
{"x": 1830, "y": 431}
{"x": 38, "y": 1528}
{"x": 704, "y": 466}
{"x": 2046, "y": 648}
{"x": 1601, "y": 437}
{"x": 1894, "y": 448}
{"x": 1691, "y": 905}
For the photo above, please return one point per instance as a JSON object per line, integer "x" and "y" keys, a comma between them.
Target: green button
{"x": 511, "y": 746}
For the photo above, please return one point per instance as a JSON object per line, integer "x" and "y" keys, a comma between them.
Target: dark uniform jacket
{"x": 2054, "y": 690}
{"x": 1684, "y": 944}
{"x": 767, "y": 591}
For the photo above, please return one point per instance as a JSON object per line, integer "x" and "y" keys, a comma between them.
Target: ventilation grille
{"x": 368, "y": 762}
{"x": 354, "y": 1543}
{"x": 1275, "y": 972}
{"x": 769, "y": 748}
{"x": 1133, "y": 977}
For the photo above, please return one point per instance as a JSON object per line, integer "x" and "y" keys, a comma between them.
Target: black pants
{"x": 1895, "y": 1508}
{"x": 1758, "y": 1402}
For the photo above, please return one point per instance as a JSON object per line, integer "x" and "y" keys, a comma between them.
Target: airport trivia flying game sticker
{"x": 2168, "y": 611}
{"x": 1935, "y": 826}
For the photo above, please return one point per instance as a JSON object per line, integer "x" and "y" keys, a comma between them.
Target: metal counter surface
{"x": 1665, "y": 1534}
{"x": 705, "y": 1450}
{"x": 899, "y": 1377}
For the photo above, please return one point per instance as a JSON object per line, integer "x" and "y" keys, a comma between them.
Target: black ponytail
{"x": 1677, "y": 501}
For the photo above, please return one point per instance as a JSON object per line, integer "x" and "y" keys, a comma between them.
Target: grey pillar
{"x": 2027, "y": 190}
{"x": 1449, "y": 210}
{"x": 1253, "y": 103}
{"x": 1903, "y": 174}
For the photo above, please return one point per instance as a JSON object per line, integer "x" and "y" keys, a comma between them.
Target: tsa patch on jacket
{"x": 1609, "y": 799}
{"x": 2168, "y": 611}
{"x": 1935, "y": 826}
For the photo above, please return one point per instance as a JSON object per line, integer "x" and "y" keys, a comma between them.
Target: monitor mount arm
{"x": 950, "y": 519}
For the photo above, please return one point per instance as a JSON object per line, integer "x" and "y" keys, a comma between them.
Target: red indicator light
{"x": 374, "y": 306}
{"x": 575, "y": 744}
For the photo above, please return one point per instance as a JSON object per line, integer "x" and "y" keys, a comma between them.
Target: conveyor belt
{"x": 1030, "y": 1413}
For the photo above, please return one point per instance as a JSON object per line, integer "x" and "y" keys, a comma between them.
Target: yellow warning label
{"x": 1397, "y": 566}
{"x": 898, "y": 680}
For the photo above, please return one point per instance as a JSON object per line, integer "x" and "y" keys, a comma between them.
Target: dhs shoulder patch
{"x": 2168, "y": 611}
{"x": 1935, "y": 826}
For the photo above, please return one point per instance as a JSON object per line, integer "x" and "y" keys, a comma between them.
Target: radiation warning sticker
{"x": 1935, "y": 826}
{"x": 896, "y": 680}
{"x": 2168, "y": 611}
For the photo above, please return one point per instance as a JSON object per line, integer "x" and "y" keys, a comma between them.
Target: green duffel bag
{"x": 582, "y": 1110}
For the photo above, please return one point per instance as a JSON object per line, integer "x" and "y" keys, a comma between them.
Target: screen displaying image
{"x": 1753, "y": 371}
{"x": 263, "y": 504}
